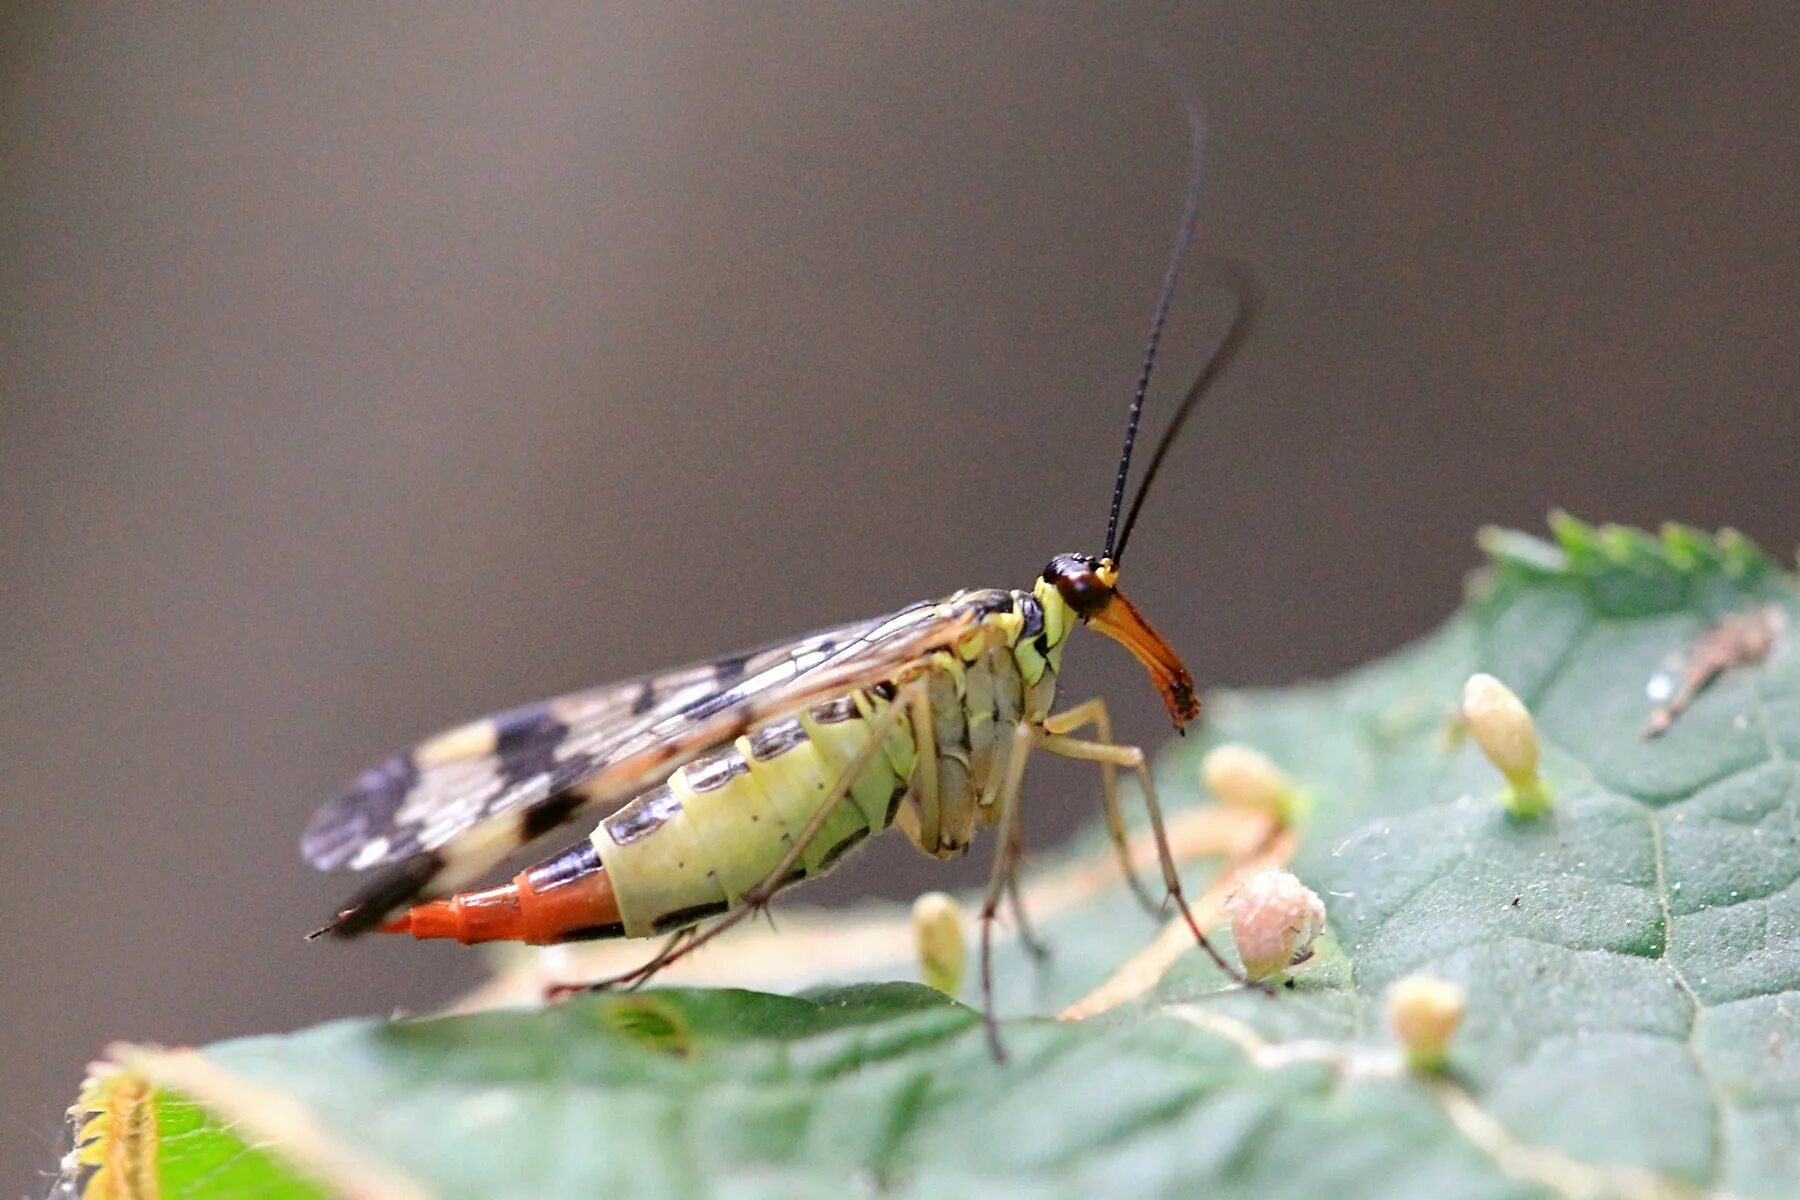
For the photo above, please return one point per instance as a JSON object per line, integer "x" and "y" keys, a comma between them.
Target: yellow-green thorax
{"x": 1039, "y": 652}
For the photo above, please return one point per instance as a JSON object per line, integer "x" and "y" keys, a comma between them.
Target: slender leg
{"x": 924, "y": 730}
{"x": 1028, "y": 936}
{"x": 1005, "y": 863}
{"x": 1093, "y": 712}
{"x": 758, "y": 897}
{"x": 1035, "y": 946}
{"x": 631, "y": 979}
{"x": 958, "y": 811}
{"x": 1132, "y": 757}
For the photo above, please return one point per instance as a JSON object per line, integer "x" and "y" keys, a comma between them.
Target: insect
{"x": 1739, "y": 640}
{"x": 719, "y": 785}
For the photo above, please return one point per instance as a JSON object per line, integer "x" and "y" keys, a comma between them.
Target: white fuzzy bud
{"x": 938, "y": 935}
{"x": 1502, "y": 726}
{"x": 1275, "y": 919}
{"x": 1425, "y": 1012}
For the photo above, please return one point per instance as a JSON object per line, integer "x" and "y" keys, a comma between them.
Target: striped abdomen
{"x": 695, "y": 846}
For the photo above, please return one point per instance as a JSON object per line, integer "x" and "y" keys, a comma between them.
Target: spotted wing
{"x": 420, "y": 798}
{"x": 470, "y": 802}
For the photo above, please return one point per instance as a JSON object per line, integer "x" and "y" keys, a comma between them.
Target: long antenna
{"x": 1189, "y": 222}
{"x": 1235, "y": 277}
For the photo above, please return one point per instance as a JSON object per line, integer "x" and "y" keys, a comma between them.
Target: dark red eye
{"x": 1078, "y": 581}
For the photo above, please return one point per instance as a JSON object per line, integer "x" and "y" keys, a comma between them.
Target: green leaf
{"x": 139, "y": 1141}
{"x": 1631, "y": 959}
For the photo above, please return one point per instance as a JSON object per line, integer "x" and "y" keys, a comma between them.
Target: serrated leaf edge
{"x": 274, "y": 1122}
{"x": 1577, "y": 550}
{"x": 115, "y": 1136}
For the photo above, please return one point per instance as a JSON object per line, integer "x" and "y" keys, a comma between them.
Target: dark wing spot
{"x": 518, "y": 725}
{"x": 393, "y": 889}
{"x": 730, "y": 670}
{"x": 525, "y": 741}
{"x": 363, "y": 811}
{"x": 645, "y": 700}
{"x": 368, "y": 811}
{"x": 547, "y": 814}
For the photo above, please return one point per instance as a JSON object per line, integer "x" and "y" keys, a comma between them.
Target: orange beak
{"x": 1125, "y": 625}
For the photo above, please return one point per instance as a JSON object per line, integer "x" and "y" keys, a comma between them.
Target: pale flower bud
{"x": 1246, "y": 778}
{"x": 1425, "y": 1012}
{"x": 938, "y": 933}
{"x": 1502, "y": 726}
{"x": 1275, "y": 919}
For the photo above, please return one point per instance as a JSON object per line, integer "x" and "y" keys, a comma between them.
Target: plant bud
{"x": 1246, "y": 778}
{"x": 1502, "y": 726}
{"x": 1275, "y": 919}
{"x": 938, "y": 933}
{"x": 1425, "y": 1012}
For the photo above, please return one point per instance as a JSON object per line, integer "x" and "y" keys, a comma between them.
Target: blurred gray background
{"x": 365, "y": 368}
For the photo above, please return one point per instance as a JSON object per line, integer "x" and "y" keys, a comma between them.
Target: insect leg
{"x": 1093, "y": 712}
{"x": 758, "y": 896}
{"x": 1028, "y": 937}
{"x": 634, "y": 978}
{"x": 1036, "y": 947}
{"x": 917, "y": 702}
{"x": 1132, "y": 757}
{"x": 1005, "y": 864}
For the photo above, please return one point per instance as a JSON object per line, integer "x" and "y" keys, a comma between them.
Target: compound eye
{"x": 1080, "y": 585}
